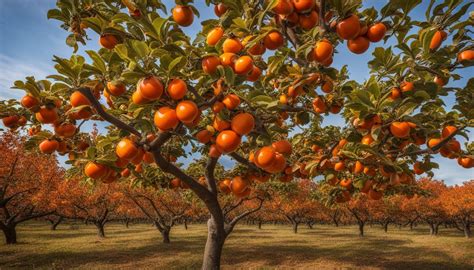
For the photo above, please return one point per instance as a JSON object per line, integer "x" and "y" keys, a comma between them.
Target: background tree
{"x": 27, "y": 185}
{"x": 458, "y": 202}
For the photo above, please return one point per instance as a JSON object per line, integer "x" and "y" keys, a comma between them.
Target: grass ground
{"x": 324, "y": 247}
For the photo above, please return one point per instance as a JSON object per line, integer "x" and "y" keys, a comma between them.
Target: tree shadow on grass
{"x": 370, "y": 252}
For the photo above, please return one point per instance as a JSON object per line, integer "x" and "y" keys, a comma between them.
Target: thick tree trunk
{"x": 295, "y": 227}
{"x": 54, "y": 224}
{"x": 100, "y": 229}
{"x": 436, "y": 228}
{"x": 10, "y": 234}
{"x": 361, "y": 229}
{"x": 259, "y": 224}
{"x": 385, "y": 227}
{"x": 467, "y": 230}
{"x": 127, "y": 223}
{"x": 166, "y": 236}
{"x": 432, "y": 229}
{"x": 185, "y": 224}
{"x": 214, "y": 244}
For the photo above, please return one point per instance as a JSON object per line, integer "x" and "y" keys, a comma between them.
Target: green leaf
{"x": 98, "y": 62}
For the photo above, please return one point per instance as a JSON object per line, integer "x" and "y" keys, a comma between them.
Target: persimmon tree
{"x": 96, "y": 204}
{"x": 163, "y": 207}
{"x": 28, "y": 182}
{"x": 458, "y": 202}
{"x": 258, "y": 72}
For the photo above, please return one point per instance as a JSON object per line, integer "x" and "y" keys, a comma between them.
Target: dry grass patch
{"x": 324, "y": 247}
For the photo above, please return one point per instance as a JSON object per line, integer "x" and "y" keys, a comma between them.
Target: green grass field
{"x": 324, "y": 247}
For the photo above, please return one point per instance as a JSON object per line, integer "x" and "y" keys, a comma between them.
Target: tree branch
{"x": 107, "y": 117}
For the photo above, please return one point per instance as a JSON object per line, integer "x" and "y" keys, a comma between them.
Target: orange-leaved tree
{"x": 256, "y": 80}
{"x": 28, "y": 184}
{"x": 458, "y": 202}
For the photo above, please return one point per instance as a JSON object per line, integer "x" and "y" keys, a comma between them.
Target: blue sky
{"x": 28, "y": 40}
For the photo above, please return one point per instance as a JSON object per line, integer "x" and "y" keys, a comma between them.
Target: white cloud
{"x": 12, "y": 69}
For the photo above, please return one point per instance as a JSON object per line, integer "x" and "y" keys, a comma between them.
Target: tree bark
{"x": 436, "y": 228}
{"x": 166, "y": 235}
{"x": 385, "y": 227}
{"x": 127, "y": 223}
{"x": 10, "y": 234}
{"x": 100, "y": 229}
{"x": 54, "y": 224}
{"x": 361, "y": 229}
{"x": 432, "y": 229}
{"x": 295, "y": 227}
{"x": 214, "y": 244}
{"x": 185, "y": 224}
{"x": 259, "y": 224}
{"x": 467, "y": 229}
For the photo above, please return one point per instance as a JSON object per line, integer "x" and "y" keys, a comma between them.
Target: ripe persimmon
{"x": 358, "y": 45}
{"x": 395, "y": 93}
{"x": 376, "y": 32}
{"x": 220, "y": 9}
{"x": 348, "y": 28}
{"x": 150, "y": 88}
{"x": 29, "y": 101}
{"x": 66, "y": 130}
{"x": 407, "y": 86}
{"x": 243, "y": 123}
{"x": 433, "y": 142}
{"x": 78, "y": 99}
{"x": 437, "y": 39}
{"x": 308, "y": 21}
{"x": 400, "y": 129}
{"x": 220, "y": 124}
{"x": 10, "y": 121}
{"x": 302, "y": 6}
{"x": 254, "y": 75}
{"x": 346, "y": 183}
{"x": 283, "y": 7}
{"x": 283, "y": 147}
{"x": 265, "y": 156}
{"x": 278, "y": 165}
{"x": 108, "y": 41}
{"x": 138, "y": 99}
{"x": 232, "y": 45}
{"x": 165, "y": 118}
{"x": 273, "y": 40}
{"x": 319, "y": 105}
{"x": 243, "y": 65}
{"x": 441, "y": 81}
{"x": 177, "y": 89}
{"x": 231, "y": 101}
{"x": 126, "y": 149}
{"x": 187, "y": 111}
{"x": 95, "y": 170}
{"x": 466, "y": 162}
{"x": 257, "y": 49}
{"x": 210, "y": 63}
{"x": 214, "y": 36}
{"x": 228, "y": 59}
{"x": 204, "y": 136}
{"x": 238, "y": 185}
{"x": 327, "y": 86}
{"x": 227, "y": 141}
{"x": 466, "y": 56}
{"x": 214, "y": 152}
{"x": 358, "y": 167}
{"x": 448, "y": 130}
{"x": 339, "y": 166}
{"x": 217, "y": 107}
{"x": 323, "y": 50}
{"x": 47, "y": 116}
{"x": 116, "y": 88}
{"x": 183, "y": 15}
{"x": 367, "y": 139}
{"x": 417, "y": 168}
{"x": 48, "y": 146}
